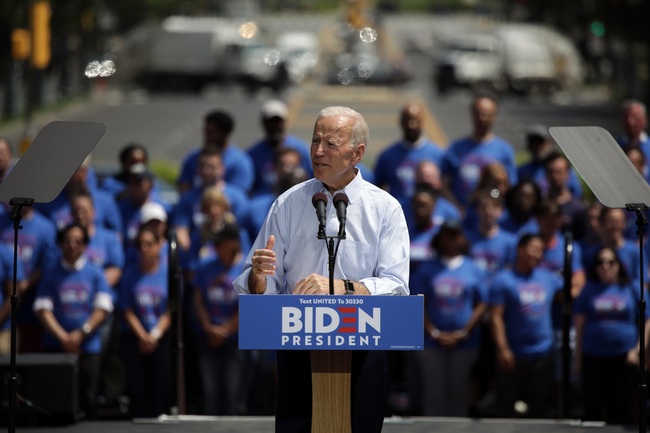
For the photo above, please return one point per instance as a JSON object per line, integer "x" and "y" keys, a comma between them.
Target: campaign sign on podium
{"x": 330, "y": 322}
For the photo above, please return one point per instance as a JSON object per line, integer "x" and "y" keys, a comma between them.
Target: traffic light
{"x": 21, "y": 42}
{"x": 597, "y": 28}
{"x": 40, "y": 20}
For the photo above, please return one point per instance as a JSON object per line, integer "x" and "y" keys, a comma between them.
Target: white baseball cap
{"x": 152, "y": 211}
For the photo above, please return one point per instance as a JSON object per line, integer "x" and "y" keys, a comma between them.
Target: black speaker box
{"x": 46, "y": 390}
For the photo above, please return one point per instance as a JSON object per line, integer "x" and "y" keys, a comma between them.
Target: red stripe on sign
{"x": 347, "y": 310}
{"x": 349, "y": 320}
{"x": 347, "y": 330}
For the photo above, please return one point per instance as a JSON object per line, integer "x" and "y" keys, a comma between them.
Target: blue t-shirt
{"x": 36, "y": 242}
{"x": 450, "y": 296}
{"x": 236, "y": 163}
{"x": 144, "y": 293}
{"x": 187, "y": 213}
{"x": 131, "y": 218}
{"x": 420, "y": 245}
{"x": 107, "y": 214}
{"x": 465, "y": 159}
{"x": 105, "y": 249}
{"x": 258, "y": 208}
{"x": 203, "y": 250}
{"x": 396, "y": 165}
{"x": 6, "y": 277}
{"x": 73, "y": 293}
{"x": 495, "y": 253}
{"x": 527, "y": 301}
{"x": 263, "y": 157}
{"x": 214, "y": 281}
{"x": 535, "y": 171}
{"x": 517, "y": 227}
{"x": 611, "y": 313}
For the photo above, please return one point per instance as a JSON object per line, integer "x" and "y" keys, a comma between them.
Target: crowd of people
{"x": 487, "y": 251}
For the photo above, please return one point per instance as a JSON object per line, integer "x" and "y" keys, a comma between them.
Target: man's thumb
{"x": 270, "y": 242}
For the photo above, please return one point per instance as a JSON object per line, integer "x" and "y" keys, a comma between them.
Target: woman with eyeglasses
{"x": 145, "y": 344}
{"x": 607, "y": 338}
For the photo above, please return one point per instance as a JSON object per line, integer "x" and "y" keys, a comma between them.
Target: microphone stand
{"x": 331, "y": 252}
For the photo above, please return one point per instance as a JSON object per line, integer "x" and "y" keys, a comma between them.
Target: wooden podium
{"x": 330, "y": 391}
{"x": 331, "y": 327}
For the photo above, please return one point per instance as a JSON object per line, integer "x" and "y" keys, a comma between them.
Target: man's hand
{"x": 313, "y": 284}
{"x": 263, "y": 261}
{"x": 262, "y": 265}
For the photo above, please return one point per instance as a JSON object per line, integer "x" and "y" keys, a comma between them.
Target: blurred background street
{"x": 161, "y": 77}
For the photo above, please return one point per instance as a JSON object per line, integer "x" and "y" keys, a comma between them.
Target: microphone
{"x": 319, "y": 200}
{"x": 341, "y": 204}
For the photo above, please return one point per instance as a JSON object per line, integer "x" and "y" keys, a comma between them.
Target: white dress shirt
{"x": 375, "y": 251}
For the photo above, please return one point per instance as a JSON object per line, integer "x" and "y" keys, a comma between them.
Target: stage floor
{"x": 192, "y": 424}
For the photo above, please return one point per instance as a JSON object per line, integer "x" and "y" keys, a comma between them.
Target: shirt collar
{"x": 77, "y": 266}
{"x": 352, "y": 189}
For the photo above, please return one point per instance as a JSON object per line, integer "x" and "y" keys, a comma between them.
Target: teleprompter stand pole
{"x": 16, "y": 216}
{"x": 641, "y": 220}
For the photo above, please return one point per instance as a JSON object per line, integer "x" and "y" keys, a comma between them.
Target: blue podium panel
{"x": 312, "y": 322}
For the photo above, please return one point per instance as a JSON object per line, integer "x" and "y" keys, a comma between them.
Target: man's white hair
{"x": 360, "y": 132}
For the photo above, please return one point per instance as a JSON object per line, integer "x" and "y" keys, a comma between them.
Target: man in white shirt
{"x": 288, "y": 258}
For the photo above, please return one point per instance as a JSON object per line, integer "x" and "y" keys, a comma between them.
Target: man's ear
{"x": 359, "y": 152}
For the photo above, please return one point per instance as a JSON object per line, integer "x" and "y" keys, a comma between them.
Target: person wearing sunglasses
{"x": 607, "y": 339}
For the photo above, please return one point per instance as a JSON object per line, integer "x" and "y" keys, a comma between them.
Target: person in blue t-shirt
{"x": 72, "y": 301}
{"x": 106, "y": 212}
{"x": 455, "y": 300}
{"x": 146, "y": 319}
{"x": 6, "y": 292}
{"x": 611, "y": 233}
{"x": 465, "y": 157}
{"x": 491, "y": 247}
{"x": 187, "y": 216}
{"x": 218, "y": 126}
{"x": 520, "y": 317}
{"x": 36, "y": 253}
{"x": 540, "y": 145}
{"x": 520, "y": 202}
{"x": 216, "y": 212}
{"x": 396, "y": 165}
{"x": 634, "y": 121}
{"x": 222, "y": 365}
{"x": 607, "y": 335}
{"x": 423, "y": 223}
{"x": 274, "y": 114}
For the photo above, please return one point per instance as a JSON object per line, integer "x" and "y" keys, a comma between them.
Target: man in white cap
{"x": 274, "y": 114}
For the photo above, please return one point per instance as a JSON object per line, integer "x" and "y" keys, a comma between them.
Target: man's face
{"x": 531, "y": 254}
{"x": 423, "y": 205}
{"x": 411, "y": 123}
{"x": 213, "y": 135}
{"x": 484, "y": 113}
{"x": 634, "y": 121}
{"x": 210, "y": 169}
{"x": 83, "y": 212}
{"x": 274, "y": 127}
{"x": 138, "y": 188}
{"x": 72, "y": 245}
{"x": 557, "y": 172}
{"x": 489, "y": 211}
{"x": 333, "y": 157}
{"x": 135, "y": 157}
